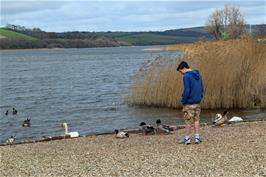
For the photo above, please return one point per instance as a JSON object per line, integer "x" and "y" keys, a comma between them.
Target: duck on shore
{"x": 161, "y": 128}
{"x": 146, "y": 129}
{"x": 71, "y": 134}
{"x": 121, "y": 134}
{"x": 220, "y": 119}
{"x": 11, "y": 139}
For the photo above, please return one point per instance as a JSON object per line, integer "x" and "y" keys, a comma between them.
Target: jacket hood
{"x": 195, "y": 74}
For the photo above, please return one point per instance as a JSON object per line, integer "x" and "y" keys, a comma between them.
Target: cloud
{"x": 119, "y": 16}
{"x": 18, "y": 7}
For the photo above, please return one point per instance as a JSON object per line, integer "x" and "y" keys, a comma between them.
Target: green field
{"x": 14, "y": 35}
{"x": 150, "y": 38}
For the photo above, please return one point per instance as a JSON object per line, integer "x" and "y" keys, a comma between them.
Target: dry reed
{"x": 234, "y": 75}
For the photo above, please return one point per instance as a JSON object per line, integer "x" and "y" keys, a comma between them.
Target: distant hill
{"x": 27, "y": 39}
{"x": 195, "y": 32}
{"x": 20, "y": 37}
{"x": 161, "y": 37}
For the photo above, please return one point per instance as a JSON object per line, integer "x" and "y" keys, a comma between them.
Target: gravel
{"x": 233, "y": 150}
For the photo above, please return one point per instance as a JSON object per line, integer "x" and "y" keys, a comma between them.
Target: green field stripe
{"x": 15, "y": 35}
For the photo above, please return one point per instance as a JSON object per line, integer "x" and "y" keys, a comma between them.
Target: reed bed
{"x": 233, "y": 71}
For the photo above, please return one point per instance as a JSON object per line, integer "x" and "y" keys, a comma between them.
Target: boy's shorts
{"x": 191, "y": 113}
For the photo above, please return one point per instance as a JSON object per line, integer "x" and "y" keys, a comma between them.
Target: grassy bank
{"x": 233, "y": 72}
{"x": 15, "y": 35}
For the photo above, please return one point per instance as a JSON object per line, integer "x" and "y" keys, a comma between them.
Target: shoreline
{"x": 152, "y": 49}
{"x": 128, "y": 130}
{"x": 233, "y": 150}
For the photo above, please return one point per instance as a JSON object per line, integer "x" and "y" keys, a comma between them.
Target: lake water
{"x": 87, "y": 88}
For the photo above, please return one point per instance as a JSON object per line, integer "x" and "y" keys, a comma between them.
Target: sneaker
{"x": 186, "y": 141}
{"x": 198, "y": 140}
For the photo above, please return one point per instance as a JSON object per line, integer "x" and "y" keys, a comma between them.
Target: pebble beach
{"x": 232, "y": 150}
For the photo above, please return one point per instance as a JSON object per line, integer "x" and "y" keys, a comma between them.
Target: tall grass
{"x": 234, "y": 75}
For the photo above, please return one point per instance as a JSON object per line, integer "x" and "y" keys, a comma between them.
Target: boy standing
{"x": 191, "y": 98}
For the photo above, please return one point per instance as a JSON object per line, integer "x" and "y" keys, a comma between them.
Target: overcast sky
{"x": 141, "y": 15}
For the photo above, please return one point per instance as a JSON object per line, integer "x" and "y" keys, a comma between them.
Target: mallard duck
{"x": 14, "y": 111}
{"x": 220, "y": 119}
{"x": 26, "y": 123}
{"x": 121, "y": 134}
{"x": 161, "y": 128}
{"x": 146, "y": 129}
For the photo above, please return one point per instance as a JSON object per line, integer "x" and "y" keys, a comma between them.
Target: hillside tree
{"x": 228, "y": 22}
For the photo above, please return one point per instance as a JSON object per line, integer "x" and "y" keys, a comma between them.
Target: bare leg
{"x": 187, "y": 129}
{"x": 197, "y": 127}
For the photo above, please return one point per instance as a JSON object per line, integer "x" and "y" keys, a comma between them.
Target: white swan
{"x": 71, "y": 134}
{"x": 235, "y": 119}
{"x": 120, "y": 134}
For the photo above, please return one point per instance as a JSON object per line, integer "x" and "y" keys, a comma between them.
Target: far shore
{"x": 57, "y": 48}
{"x": 233, "y": 150}
{"x": 33, "y": 49}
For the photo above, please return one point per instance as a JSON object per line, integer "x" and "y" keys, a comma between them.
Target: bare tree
{"x": 214, "y": 24}
{"x": 227, "y": 22}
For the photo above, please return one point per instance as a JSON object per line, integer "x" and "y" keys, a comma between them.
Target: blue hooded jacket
{"x": 193, "y": 88}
